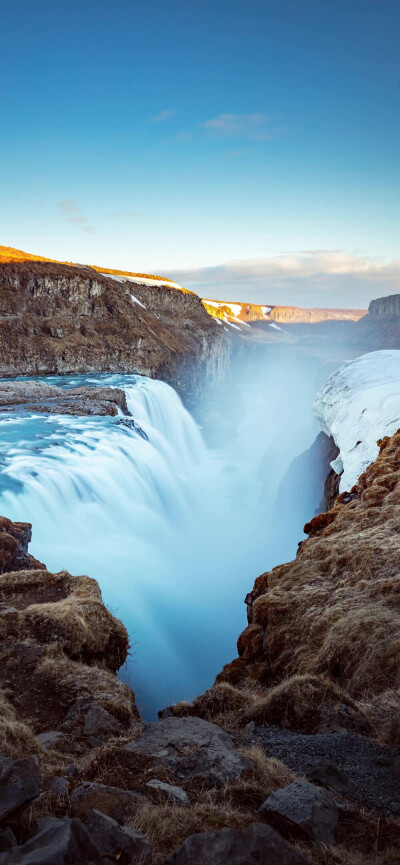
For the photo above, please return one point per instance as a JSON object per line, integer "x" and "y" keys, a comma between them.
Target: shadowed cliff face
{"x": 331, "y": 618}
{"x": 61, "y": 319}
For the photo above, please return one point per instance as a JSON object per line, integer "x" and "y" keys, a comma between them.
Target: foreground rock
{"x": 63, "y": 842}
{"x": 112, "y": 801}
{"x": 302, "y": 811}
{"x": 192, "y": 749}
{"x": 123, "y": 845}
{"x": 50, "y": 399}
{"x": 257, "y": 845}
{"x": 20, "y": 782}
{"x": 49, "y": 646}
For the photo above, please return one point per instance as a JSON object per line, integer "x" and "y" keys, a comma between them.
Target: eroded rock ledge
{"x": 50, "y": 399}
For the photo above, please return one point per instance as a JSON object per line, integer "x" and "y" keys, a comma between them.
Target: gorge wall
{"x": 63, "y": 319}
{"x": 252, "y": 312}
{"x": 385, "y": 307}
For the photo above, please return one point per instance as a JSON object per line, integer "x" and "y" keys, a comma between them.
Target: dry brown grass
{"x": 334, "y": 612}
{"x": 167, "y": 826}
{"x": 223, "y": 704}
{"x": 8, "y": 253}
{"x": 299, "y": 703}
{"x": 66, "y": 680}
{"x": 16, "y": 738}
{"x": 250, "y": 791}
{"x": 70, "y": 607}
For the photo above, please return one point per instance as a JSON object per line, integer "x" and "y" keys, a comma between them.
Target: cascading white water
{"x": 174, "y": 531}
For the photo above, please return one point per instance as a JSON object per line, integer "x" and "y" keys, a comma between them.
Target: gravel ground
{"x": 366, "y": 765}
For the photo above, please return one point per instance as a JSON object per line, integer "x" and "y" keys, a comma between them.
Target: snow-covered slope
{"x": 142, "y": 280}
{"x": 359, "y": 404}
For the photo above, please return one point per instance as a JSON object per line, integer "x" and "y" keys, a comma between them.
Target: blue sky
{"x": 249, "y": 148}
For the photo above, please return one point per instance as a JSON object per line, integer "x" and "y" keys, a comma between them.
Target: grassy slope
{"x": 8, "y": 253}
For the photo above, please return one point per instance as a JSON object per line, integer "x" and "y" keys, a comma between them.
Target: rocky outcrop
{"x": 385, "y": 307}
{"x": 302, "y": 811}
{"x": 59, "y": 645}
{"x": 330, "y": 619}
{"x": 49, "y": 399}
{"x": 191, "y": 748}
{"x": 257, "y": 845}
{"x": 60, "y": 319}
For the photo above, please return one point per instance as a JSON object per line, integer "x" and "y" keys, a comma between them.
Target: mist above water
{"x": 174, "y": 530}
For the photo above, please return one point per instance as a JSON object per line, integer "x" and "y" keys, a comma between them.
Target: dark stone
{"x": 112, "y": 801}
{"x": 59, "y": 785}
{"x": 257, "y": 845}
{"x": 191, "y": 748}
{"x": 131, "y": 424}
{"x": 51, "y": 739}
{"x": 124, "y": 845}
{"x": 62, "y": 842}
{"x": 7, "y": 840}
{"x": 326, "y": 773}
{"x": 303, "y": 811}
{"x": 169, "y": 790}
{"x": 19, "y": 783}
{"x": 87, "y": 718}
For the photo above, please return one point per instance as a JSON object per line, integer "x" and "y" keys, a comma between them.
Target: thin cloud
{"x": 319, "y": 278}
{"x": 256, "y": 127}
{"x": 123, "y": 214}
{"x": 72, "y": 212}
{"x": 162, "y": 117}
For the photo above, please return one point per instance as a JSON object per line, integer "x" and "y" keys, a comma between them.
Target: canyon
{"x": 93, "y": 440}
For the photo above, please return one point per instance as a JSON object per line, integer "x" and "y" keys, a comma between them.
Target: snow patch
{"x": 135, "y": 300}
{"x": 235, "y": 307}
{"x": 141, "y": 280}
{"x": 359, "y": 404}
{"x": 231, "y": 324}
{"x": 266, "y": 310}
{"x": 275, "y": 326}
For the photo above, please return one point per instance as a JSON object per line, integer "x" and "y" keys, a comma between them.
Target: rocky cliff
{"x": 248, "y": 312}
{"x": 63, "y": 319}
{"x": 385, "y": 307}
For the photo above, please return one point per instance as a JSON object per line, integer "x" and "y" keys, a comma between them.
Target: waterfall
{"x": 174, "y": 531}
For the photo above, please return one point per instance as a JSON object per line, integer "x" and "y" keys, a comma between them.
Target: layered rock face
{"x": 385, "y": 307}
{"x": 381, "y": 327}
{"x": 60, "y": 319}
{"x": 290, "y": 314}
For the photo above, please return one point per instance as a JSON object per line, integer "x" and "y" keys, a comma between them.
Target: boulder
{"x": 124, "y": 845}
{"x": 112, "y": 801}
{"x": 59, "y": 785}
{"x": 19, "y": 783}
{"x": 326, "y": 773}
{"x": 256, "y": 845}
{"x": 7, "y": 839}
{"x": 170, "y": 790}
{"x": 62, "y": 842}
{"x": 302, "y": 811}
{"x": 50, "y": 740}
{"x": 191, "y": 749}
{"x": 87, "y": 718}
